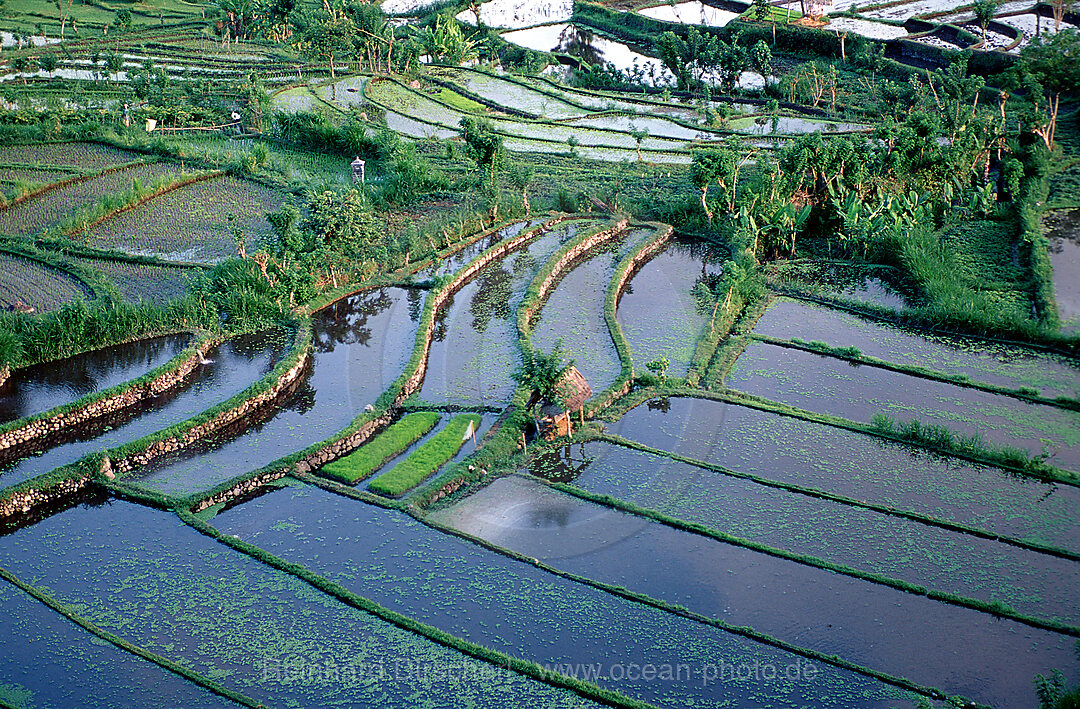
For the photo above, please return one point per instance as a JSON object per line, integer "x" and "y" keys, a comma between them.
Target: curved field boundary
{"x": 92, "y": 628}
{"x": 81, "y": 177}
{"x": 385, "y": 408}
{"x": 1061, "y": 402}
{"x": 888, "y": 510}
{"x": 995, "y": 609}
{"x": 124, "y": 459}
{"x": 626, "y": 270}
{"x": 526, "y": 668}
{"x": 94, "y": 283}
{"x": 99, "y": 467}
{"x": 513, "y": 136}
{"x": 108, "y": 401}
{"x": 144, "y": 199}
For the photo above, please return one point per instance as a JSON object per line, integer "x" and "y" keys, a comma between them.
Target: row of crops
{"x": 142, "y": 225}
{"x": 757, "y": 519}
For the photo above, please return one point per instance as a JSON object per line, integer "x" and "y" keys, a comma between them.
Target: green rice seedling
{"x": 426, "y": 459}
{"x": 379, "y": 450}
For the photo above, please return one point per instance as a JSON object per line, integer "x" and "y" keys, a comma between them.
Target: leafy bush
{"x": 426, "y": 459}
{"x": 376, "y": 452}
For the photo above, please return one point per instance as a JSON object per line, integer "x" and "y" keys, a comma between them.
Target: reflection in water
{"x": 579, "y": 42}
{"x": 45, "y": 386}
{"x": 346, "y": 321}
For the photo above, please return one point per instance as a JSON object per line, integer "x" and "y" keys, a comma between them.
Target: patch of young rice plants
{"x": 45, "y": 386}
{"x": 980, "y": 360}
{"x": 833, "y": 386}
{"x": 475, "y": 344}
{"x": 81, "y": 668}
{"x": 85, "y": 157}
{"x": 372, "y": 455}
{"x": 144, "y": 575}
{"x": 659, "y": 313}
{"x": 37, "y": 285}
{"x": 52, "y": 208}
{"x": 428, "y": 458}
{"x": 230, "y": 368}
{"x": 362, "y": 344}
{"x": 858, "y": 466}
{"x": 193, "y": 223}
{"x": 28, "y": 175}
{"x": 890, "y": 630}
{"x": 1035, "y": 584}
{"x": 521, "y": 610}
{"x": 142, "y": 282}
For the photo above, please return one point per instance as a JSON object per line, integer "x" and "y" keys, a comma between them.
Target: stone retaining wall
{"x": 22, "y": 501}
{"x": 43, "y": 425}
{"x": 219, "y": 422}
{"x": 574, "y": 253}
{"x": 336, "y": 448}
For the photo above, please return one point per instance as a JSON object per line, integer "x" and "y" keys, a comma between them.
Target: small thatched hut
{"x": 575, "y": 391}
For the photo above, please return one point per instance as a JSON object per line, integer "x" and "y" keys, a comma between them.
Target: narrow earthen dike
{"x": 42, "y": 426}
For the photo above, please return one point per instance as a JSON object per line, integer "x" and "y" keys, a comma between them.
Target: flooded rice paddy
{"x": 839, "y": 388}
{"x": 804, "y": 530}
{"x": 1064, "y": 236}
{"x": 32, "y": 390}
{"x": 227, "y": 370}
{"x": 909, "y": 635}
{"x": 987, "y": 362}
{"x": 512, "y": 606}
{"x": 361, "y": 345}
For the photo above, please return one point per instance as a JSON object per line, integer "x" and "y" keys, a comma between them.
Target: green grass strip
{"x": 992, "y": 607}
{"x": 852, "y": 354}
{"x": 175, "y": 667}
{"x": 426, "y": 459}
{"x": 523, "y": 667}
{"x": 379, "y": 450}
{"x": 817, "y": 493}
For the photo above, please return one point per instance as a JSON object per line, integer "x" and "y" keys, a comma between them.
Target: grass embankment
{"x": 854, "y": 354}
{"x": 426, "y": 459}
{"x": 377, "y": 452}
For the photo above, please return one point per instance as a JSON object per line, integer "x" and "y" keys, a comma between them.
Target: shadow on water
{"x": 229, "y": 369}
{"x": 361, "y": 345}
{"x": 45, "y": 386}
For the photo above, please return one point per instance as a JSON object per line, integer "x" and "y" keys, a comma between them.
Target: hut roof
{"x": 573, "y": 388}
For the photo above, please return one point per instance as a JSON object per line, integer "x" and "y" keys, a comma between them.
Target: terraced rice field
{"x": 45, "y": 386}
{"x": 192, "y": 223}
{"x": 757, "y": 590}
{"x": 832, "y": 386}
{"x": 658, "y": 311}
{"x": 142, "y": 282}
{"x": 229, "y": 369}
{"x": 987, "y": 362}
{"x": 50, "y": 209}
{"x": 475, "y": 346}
{"x": 361, "y": 345}
{"x": 36, "y": 285}
{"x": 85, "y": 157}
